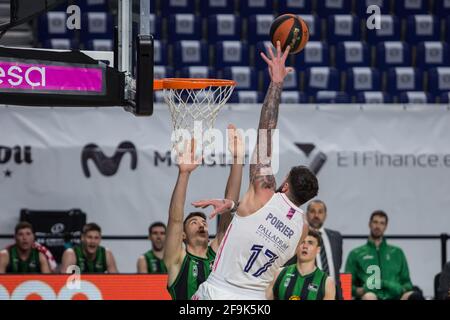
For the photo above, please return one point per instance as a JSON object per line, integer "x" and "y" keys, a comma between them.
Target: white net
{"x": 194, "y": 111}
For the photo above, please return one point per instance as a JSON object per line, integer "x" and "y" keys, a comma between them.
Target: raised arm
{"x": 261, "y": 175}
{"x": 173, "y": 252}
{"x": 233, "y": 188}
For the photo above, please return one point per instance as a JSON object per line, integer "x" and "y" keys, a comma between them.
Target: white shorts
{"x": 213, "y": 290}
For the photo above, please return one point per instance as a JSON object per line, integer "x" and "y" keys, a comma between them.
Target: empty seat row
{"x": 322, "y": 8}
{"x": 355, "y": 80}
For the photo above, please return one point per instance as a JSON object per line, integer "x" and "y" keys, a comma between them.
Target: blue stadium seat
{"x": 184, "y": 27}
{"x": 158, "y": 96}
{"x": 231, "y": 53}
{"x": 190, "y": 53}
{"x": 160, "y": 53}
{"x": 259, "y": 27}
{"x": 393, "y": 54}
{"x": 177, "y": 6}
{"x": 423, "y": 28}
{"x": 314, "y": 26}
{"x": 291, "y": 82}
{"x": 97, "y": 25}
{"x": 326, "y": 8}
{"x": 53, "y": 25}
{"x": 332, "y": 97}
{"x": 198, "y": 72}
{"x": 352, "y": 54}
{"x": 373, "y": 97}
{"x": 343, "y": 28}
{"x": 224, "y": 27}
{"x": 405, "y": 8}
{"x": 160, "y": 72}
{"x": 250, "y": 7}
{"x": 246, "y": 96}
{"x": 155, "y": 26}
{"x": 441, "y": 8}
{"x": 295, "y": 6}
{"x": 61, "y": 44}
{"x": 404, "y": 79}
{"x": 245, "y": 77}
{"x": 416, "y": 97}
{"x": 321, "y": 79}
{"x": 213, "y": 7}
{"x": 363, "y": 79}
{"x": 432, "y": 54}
{"x": 362, "y": 5}
{"x": 292, "y": 97}
{"x": 445, "y": 97}
{"x": 390, "y": 30}
{"x": 448, "y": 30}
{"x": 316, "y": 53}
{"x": 100, "y": 45}
{"x": 93, "y": 5}
{"x": 439, "y": 80}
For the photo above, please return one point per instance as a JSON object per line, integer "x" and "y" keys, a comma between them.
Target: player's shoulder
{"x": 362, "y": 249}
{"x": 394, "y": 249}
{"x": 4, "y": 253}
{"x": 69, "y": 252}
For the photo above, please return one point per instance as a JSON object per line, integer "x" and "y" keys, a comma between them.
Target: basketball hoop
{"x": 194, "y": 101}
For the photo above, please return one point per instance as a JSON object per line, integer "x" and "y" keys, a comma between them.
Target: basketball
{"x": 291, "y": 30}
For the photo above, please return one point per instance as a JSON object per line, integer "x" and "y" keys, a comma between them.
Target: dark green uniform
{"x": 86, "y": 266}
{"x": 392, "y": 266}
{"x": 291, "y": 285}
{"x": 154, "y": 264}
{"x": 16, "y": 265}
{"x": 194, "y": 271}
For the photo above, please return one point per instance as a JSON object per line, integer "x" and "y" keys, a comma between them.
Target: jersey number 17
{"x": 256, "y": 250}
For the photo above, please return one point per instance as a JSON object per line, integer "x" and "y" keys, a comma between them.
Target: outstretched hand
{"x": 187, "y": 160}
{"x": 277, "y": 68}
{"x": 220, "y": 206}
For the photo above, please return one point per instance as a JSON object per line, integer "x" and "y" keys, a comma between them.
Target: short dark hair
{"x": 316, "y": 235}
{"x": 154, "y": 225}
{"x": 317, "y": 201}
{"x": 303, "y": 184}
{"x": 194, "y": 214}
{"x": 23, "y": 225}
{"x": 91, "y": 227}
{"x": 379, "y": 213}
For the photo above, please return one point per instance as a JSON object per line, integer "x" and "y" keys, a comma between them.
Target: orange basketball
{"x": 291, "y": 30}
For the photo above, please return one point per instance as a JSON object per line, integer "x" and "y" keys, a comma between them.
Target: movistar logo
{"x": 108, "y": 166}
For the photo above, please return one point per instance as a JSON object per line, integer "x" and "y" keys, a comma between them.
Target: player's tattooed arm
{"x": 261, "y": 175}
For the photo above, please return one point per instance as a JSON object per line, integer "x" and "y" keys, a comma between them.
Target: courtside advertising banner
{"x": 118, "y": 168}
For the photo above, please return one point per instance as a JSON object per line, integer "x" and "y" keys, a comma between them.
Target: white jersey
{"x": 256, "y": 246}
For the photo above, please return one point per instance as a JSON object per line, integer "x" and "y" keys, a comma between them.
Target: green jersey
{"x": 16, "y": 265}
{"x": 387, "y": 263}
{"x": 194, "y": 271}
{"x": 87, "y": 266}
{"x": 291, "y": 285}
{"x": 154, "y": 264}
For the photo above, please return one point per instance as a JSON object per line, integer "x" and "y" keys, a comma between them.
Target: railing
{"x": 443, "y": 237}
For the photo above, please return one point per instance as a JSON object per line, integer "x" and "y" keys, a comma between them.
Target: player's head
{"x": 300, "y": 185}
{"x": 157, "y": 235}
{"x": 310, "y": 247}
{"x": 195, "y": 229}
{"x": 316, "y": 213}
{"x": 91, "y": 237}
{"x": 378, "y": 224}
{"x": 24, "y": 235}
